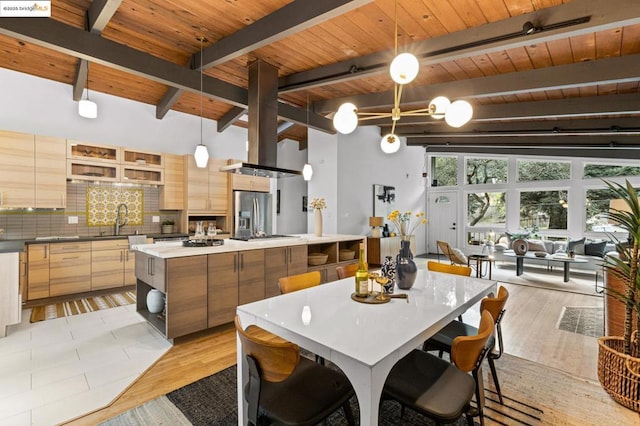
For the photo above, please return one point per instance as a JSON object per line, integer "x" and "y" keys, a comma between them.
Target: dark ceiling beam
{"x": 561, "y": 151}
{"x": 54, "y": 35}
{"x": 230, "y": 117}
{"x": 522, "y": 111}
{"x": 303, "y": 117}
{"x": 99, "y": 14}
{"x": 602, "y": 16}
{"x": 292, "y": 18}
{"x": 555, "y": 141}
{"x": 620, "y": 69}
{"x": 296, "y": 16}
{"x": 602, "y": 125}
{"x": 284, "y": 126}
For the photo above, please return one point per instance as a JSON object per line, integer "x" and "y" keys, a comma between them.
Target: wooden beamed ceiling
{"x": 574, "y": 82}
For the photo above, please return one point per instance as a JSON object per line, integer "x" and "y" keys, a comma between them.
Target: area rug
{"x": 587, "y": 320}
{"x": 534, "y": 395}
{"x": 82, "y": 306}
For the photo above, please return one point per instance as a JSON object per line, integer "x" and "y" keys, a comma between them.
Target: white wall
{"x": 291, "y": 220}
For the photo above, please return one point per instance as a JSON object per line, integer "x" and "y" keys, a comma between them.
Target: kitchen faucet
{"x": 121, "y": 221}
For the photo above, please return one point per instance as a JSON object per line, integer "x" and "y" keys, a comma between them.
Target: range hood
{"x": 263, "y": 125}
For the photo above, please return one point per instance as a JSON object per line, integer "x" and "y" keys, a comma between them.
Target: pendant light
{"x": 86, "y": 107}
{"x": 202, "y": 153}
{"x": 307, "y": 170}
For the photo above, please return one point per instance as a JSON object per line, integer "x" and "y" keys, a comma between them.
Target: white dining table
{"x": 364, "y": 340}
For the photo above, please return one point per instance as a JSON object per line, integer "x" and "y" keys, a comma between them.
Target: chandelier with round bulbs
{"x": 403, "y": 69}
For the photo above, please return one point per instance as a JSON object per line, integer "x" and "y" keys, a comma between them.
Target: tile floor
{"x": 59, "y": 369}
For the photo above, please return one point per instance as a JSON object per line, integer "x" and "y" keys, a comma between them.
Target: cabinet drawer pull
{"x": 46, "y": 251}
{"x": 149, "y": 267}
{"x": 235, "y": 263}
{"x": 286, "y": 255}
{"x": 121, "y": 256}
{"x": 71, "y": 258}
{"x": 127, "y": 255}
{"x": 241, "y": 261}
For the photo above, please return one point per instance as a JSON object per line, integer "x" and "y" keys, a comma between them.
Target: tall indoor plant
{"x": 618, "y": 361}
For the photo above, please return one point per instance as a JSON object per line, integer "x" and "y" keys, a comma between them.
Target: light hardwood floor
{"x": 529, "y": 328}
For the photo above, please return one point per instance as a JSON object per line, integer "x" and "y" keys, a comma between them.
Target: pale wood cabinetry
{"x": 172, "y": 192}
{"x": 151, "y": 270}
{"x": 50, "y": 172}
{"x": 69, "y": 268}
{"x": 142, "y": 166}
{"x": 281, "y": 262}
{"x": 250, "y": 183}
{"x": 112, "y": 264}
{"x": 37, "y": 271}
{"x": 32, "y": 171}
{"x": 250, "y": 276}
{"x": 17, "y": 177}
{"x": 206, "y": 188}
{"x": 88, "y": 161}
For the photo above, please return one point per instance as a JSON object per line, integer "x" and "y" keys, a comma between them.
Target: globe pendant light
{"x": 86, "y": 107}
{"x": 390, "y": 143}
{"x": 202, "y": 153}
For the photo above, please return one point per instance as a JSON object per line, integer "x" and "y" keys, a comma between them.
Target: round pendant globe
{"x": 404, "y": 68}
{"x": 87, "y": 108}
{"x": 458, "y": 114}
{"x": 345, "y": 119}
{"x": 441, "y": 104}
{"x": 390, "y": 143}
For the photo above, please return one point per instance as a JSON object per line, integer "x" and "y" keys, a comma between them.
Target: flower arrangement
{"x": 402, "y": 222}
{"x": 318, "y": 203}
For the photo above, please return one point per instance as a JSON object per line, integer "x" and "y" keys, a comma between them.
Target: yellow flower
{"x": 402, "y": 221}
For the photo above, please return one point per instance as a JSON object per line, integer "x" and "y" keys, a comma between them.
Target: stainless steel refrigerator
{"x": 252, "y": 214}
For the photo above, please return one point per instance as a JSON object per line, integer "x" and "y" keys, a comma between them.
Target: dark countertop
{"x": 11, "y": 246}
{"x": 66, "y": 239}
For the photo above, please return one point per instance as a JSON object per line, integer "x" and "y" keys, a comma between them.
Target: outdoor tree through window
{"x": 543, "y": 209}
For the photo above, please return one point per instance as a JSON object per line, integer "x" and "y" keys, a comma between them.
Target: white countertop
{"x": 175, "y": 249}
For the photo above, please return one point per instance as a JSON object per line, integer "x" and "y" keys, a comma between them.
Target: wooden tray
{"x": 371, "y": 299}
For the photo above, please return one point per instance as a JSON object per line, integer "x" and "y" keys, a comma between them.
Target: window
{"x": 486, "y": 171}
{"x": 487, "y": 209}
{"x": 596, "y": 207}
{"x": 543, "y": 209}
{"x": 608, "y": 170}
{"x": 529, "y": 171}
{"x": 444, "y": 171}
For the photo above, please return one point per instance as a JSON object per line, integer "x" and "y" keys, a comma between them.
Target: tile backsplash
{"x": 31, "y": 223}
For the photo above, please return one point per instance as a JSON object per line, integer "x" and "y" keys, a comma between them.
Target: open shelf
{"x": 142, "y": 158}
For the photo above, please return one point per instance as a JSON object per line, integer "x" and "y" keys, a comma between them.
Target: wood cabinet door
{"x": 69, "y": 273}
{"x": 107, "y": 269}
{"x": 172, "y": 192}
{"x": 17, "y": 175}
{"x": 186, "y": 279}
{"x": 150, "y": 269}
{"x": 275, "y": 267}
{"x": 218, "y": 187}
{"x": 297, "y": 260}
{"x": 37, "y": 271}
{"x": 50, "y": 172}
{"x": 129, "y": 267}
{"x": 251, "y": 276}
{"x": 197, "y": 185}
{"x": 222, "y": 287}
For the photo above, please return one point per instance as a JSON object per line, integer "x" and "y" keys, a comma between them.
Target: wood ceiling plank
{"x": 539, "y": 55}
{"x": 470, "y": 13}
{"x": 583, "y": 48}
{"x": 560, "y": 51}
{"x": 608, "y": 43}
{"x": 493, "y": 10}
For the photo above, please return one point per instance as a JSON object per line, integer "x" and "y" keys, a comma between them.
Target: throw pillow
{"x": 536, "y": 245}
{"x": 460, "y": 254}
{"x": 595, "y": 249}
{"x": 576, "y": 245}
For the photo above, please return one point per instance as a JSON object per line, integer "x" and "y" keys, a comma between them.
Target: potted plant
{"x": 618, "y": 356}
{"x": 167, "y": 226}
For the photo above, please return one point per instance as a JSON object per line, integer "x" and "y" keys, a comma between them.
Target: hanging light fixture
{"x": 307, "y": 170}
{"x": 202, "y": 153}
{"x": 404, "y": 68}
{"x": 86, "y": 107}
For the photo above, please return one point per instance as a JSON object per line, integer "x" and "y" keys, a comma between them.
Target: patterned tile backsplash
{"x": 94, "y": 216}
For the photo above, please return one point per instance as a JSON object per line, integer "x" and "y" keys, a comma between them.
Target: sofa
{"x": 592, "y": 251}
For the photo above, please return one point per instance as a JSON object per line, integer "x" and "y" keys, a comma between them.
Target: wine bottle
{"x": 362, "y": 275}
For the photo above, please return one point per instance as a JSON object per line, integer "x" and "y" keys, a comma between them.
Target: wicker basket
{"x": 316, "y": 259}
{"x": 346, "y": 254}
{"x": 619, "y": 374}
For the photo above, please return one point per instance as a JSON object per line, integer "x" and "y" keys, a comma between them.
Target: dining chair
{"x": 287, "y": 388}
{"x": 345, "y": 271}
{"x": 443, "y": 340}
{"x": 441, "y": 390}
{"x": 455, "y": 256}
{"x": 299, "y": 282}
{"x": 449, "y": 269}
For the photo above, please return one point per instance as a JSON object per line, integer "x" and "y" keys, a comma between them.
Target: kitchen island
{"x": 203, "y": 286}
